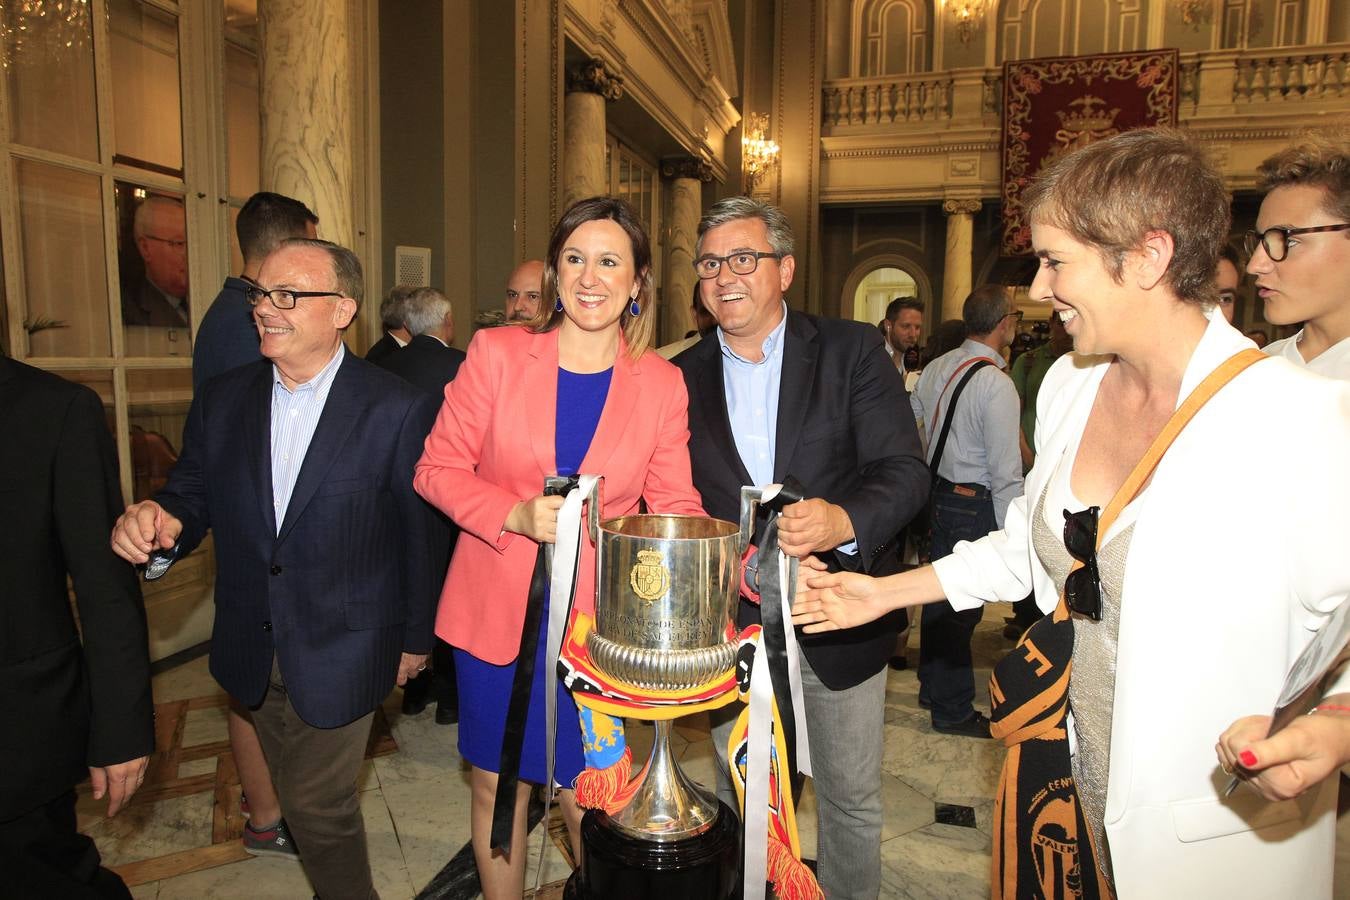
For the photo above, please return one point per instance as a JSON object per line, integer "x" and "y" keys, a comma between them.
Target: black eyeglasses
{"x": 282, "y": 298}
{"x": 742, "y": 263}
{"x": 1276, "y": 240}
{"x": 1083, "y": 587}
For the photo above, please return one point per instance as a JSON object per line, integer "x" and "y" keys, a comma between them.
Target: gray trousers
{"x": 846, "y": 733}
{"x": 315, "y": 772}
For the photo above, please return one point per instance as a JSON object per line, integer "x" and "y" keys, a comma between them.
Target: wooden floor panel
{"x": 227, "y": 822}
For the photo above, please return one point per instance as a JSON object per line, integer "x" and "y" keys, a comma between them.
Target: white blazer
{"x": 1224, "y": 585}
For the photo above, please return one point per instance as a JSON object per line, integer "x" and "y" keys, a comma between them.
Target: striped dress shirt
{"x": 295, "y": 415}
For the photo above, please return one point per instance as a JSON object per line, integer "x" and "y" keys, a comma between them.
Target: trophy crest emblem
{"x": 650, "y": 579}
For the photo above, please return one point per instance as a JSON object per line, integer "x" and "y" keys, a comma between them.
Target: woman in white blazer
{"x": 1217, "y": 593}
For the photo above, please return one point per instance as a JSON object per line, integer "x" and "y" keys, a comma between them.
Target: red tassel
{"x": 600, "y": 788}
{"x": 791, "y": 878}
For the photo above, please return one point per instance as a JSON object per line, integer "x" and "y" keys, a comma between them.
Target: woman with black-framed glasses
{"x": 1172, "y": 602}
{"x": 1300, "y": 252}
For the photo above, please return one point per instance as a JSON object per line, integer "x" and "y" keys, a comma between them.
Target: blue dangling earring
{"x": 557, "y": 304}
{"x": 633, "y": 309}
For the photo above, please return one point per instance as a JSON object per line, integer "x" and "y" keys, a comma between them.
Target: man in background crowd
{"x": 1227, "y": 277}
{"x": 704, "y": 324}
{"x": 978, "y": 473}
{"x": 1300, "y": 252}
{"x": 903, "y": 327}
{"x": 523, "y": 289}
{"x": 228, "y": 337}
{"x": 1027, "y": 373}
{"x": 430, "y": 363}
{"x": 396, "y": 335}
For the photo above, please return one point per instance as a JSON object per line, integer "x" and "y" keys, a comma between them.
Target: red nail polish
{"x": 1247, "y": 758}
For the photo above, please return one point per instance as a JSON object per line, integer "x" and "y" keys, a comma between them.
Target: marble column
{"x": 957, "y": 262}
{"x": 589, "y": 86}
{"x": 306, "y": 108}
{"x": 687, "y": 175}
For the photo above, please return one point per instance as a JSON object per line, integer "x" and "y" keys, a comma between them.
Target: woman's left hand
{"x": 1295, "y": 759}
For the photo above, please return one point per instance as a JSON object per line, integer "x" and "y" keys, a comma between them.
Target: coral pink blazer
{"x": 492, "y": 446}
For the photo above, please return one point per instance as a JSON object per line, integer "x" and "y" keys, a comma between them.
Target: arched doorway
{"x": 877, "y": 289}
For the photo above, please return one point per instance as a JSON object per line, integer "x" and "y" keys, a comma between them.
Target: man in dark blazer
{"x": 396, "y": 335}
{"x": 71, "y": 709}
{"x": 301, "y": 465}
{"x": 781, "y": 393}
{"x": 430, "y": 363}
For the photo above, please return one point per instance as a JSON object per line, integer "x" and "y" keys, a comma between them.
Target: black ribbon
{"x": 513, "y": 737}
{"x": 771, "y": 618}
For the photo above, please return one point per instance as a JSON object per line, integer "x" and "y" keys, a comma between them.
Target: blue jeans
{"x": 946, "y": 680}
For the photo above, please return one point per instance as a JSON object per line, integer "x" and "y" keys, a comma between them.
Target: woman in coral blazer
{"x": 576, "y": 391}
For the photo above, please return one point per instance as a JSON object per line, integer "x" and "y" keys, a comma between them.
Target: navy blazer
{"x": 425, "y": 362}
{"x": 349, "y": 582}
{"x": 844, "y": 436}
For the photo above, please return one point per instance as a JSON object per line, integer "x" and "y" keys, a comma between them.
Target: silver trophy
{"x": 666, "y": 591}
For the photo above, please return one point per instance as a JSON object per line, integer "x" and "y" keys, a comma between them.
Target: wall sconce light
{"x": 967, "y": 16}
{"x": 758, "y": 154}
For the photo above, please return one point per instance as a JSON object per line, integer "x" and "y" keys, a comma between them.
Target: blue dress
{"x": 484, "y": 689}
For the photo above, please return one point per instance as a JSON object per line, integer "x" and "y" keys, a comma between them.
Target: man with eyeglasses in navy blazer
{"x": 301, "y": 466}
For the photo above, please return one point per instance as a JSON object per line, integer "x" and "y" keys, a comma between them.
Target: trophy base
{"x": 614, "y": 864}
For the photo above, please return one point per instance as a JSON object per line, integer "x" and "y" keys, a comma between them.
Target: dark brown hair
{"x": 638, "y": 330}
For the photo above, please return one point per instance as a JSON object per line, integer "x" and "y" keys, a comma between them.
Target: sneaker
{"x": 977, "y": 726}
{"x": 275, "y": 841}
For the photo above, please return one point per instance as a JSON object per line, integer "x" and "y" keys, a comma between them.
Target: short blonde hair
{"x": 1113, "y": 192}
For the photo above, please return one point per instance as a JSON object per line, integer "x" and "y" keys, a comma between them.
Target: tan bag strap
{"x": 1143, "y": 470}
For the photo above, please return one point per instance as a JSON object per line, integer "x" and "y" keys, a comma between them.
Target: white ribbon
{"x": 787, "y": 577}
{"x": 562, "y": 581}
{"x": 787, "y": 580}
{"x": 760, "y": 734}
{"x": 759, "y": 742}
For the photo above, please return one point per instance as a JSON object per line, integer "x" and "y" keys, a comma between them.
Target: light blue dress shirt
{"x": 752, "y": 401}
{"x": 982, "y": 446}
{"x": 295, "y": 415}
{"x": 752, "y": 390}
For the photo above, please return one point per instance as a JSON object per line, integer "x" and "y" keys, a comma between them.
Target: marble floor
{"x": 936, "y": 835}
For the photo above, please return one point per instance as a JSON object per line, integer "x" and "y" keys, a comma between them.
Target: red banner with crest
{"x": 1053, "y": 106}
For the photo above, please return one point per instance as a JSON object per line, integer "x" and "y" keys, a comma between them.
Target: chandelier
{"x": 42, "y": 29}
{"x": 758, "y": 154}
{"x": 966, "y": 15}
